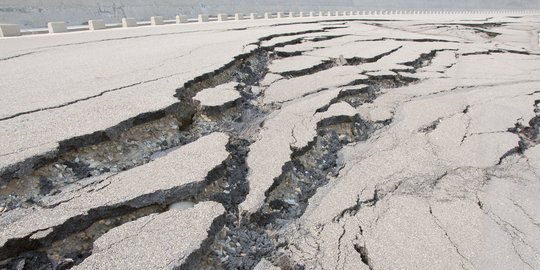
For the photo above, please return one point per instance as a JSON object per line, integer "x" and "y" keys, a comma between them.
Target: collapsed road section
{"x": 313, "y": 149}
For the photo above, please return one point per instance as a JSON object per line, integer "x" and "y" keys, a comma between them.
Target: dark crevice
{"x": 528, "y": 135}
{"x": 495, "y": 51}
{"x": 182, "y": 110}
{"x": 511, "y": 152}
{"x": 293, "y": 41}
{"x": 425, "y": 59}
{"x": 364, "y": 255}
{"x": 489, "y": 34}
{"x": 487, "y": 25}
{"x": 378, "y": 194}
{"x": 352, "y": 210}
{"x": 90, "y": 224}
{"x": 325, "y": 38}
{"x": 328, "y": 64}
{"x": 191, "y": 262}
{"x": 355, "y": 61}
{"x": 235, "y": 240}
{"x": 354, "y": 96}
{"x": 311, "y": 70}
{"x": 466, "y": 110}
{"x": 429, "y": 128}
{"x": 179, "y": 110}
{"x": 311, "y": 167}
{"x": 136, "y": 141}
{"x": 384, "y": 81}
{"x": 225, "y": 184}
{"x": 230, "y": 189}
{"x": 284, "y": 54}
{"x": 246, "y": 239}
{"x": 477, "y": 28}
{"x": 410, "y": 40}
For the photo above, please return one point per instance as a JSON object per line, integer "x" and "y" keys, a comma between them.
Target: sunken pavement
{"x": 305, "y": 143}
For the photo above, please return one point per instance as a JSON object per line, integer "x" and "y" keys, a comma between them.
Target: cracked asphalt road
{"x": 337, "y": 143}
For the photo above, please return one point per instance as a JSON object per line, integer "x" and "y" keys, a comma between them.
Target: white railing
{"x": 9, "y": 30}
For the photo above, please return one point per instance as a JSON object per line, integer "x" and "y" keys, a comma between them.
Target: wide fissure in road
{"x": 320, "y": 145}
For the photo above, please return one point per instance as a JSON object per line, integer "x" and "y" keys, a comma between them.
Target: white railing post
{"x": 181, "y": 19}
{"x": 94, "y": 25}
{"x": 10, "y": 30}
{"x": 57, "y": 27}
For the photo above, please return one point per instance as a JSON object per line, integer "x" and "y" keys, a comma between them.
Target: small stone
{"x": 255, "y": 90}
{"x": 222, "y": 234}
{"x": 181, "y": 205}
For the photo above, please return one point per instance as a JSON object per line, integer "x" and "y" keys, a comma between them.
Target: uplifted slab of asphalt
{"x": 218, "y": 96}
{"x": 180, "y": 171}
{"x": 293, "y": 88}
{"x": 446, "y": 177}
{"x": 158, "y": 241}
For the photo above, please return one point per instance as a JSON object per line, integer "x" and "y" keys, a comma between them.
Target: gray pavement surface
{"x": 346, "y": 143}
{"x": 218, "y": 96}
{"x": 180, "y": 171}
{"x": 158, "y": 241}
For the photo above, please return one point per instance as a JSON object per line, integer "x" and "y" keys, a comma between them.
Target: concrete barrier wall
{"x": 36, "y": 13}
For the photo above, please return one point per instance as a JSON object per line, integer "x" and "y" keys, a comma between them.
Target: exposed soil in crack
{"x": 70, "y": 243}
{"x": 235, "y": 241}
{"x": 328, "y": 64}
{"x": 354, "y": 96}
{"x": 380, "y": 82}
{"x": 299, "y": 39}
{"x": 182, "y": 111}
{"x": 528, "y": 135}
{"x": 146, "y": 138}
{"x": 246, "y": 239}
{"x": 87, "y": 160}
{"x": 311, "y": 167}
{"x": 424, "y": 60}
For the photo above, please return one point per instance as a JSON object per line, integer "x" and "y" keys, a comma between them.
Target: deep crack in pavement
{"x": 325, "y": 145}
